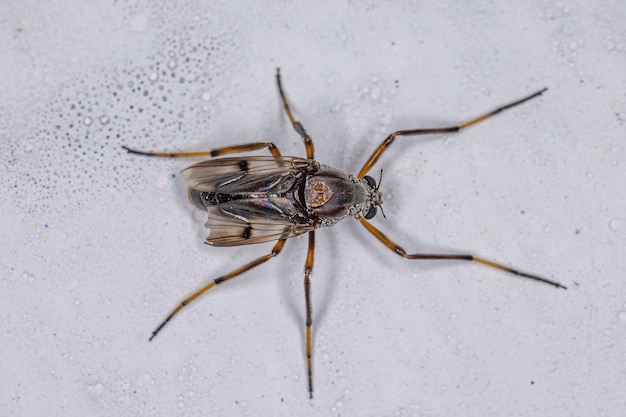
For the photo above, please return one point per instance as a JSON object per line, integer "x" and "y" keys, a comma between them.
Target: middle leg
{"x": 308, "y": 268}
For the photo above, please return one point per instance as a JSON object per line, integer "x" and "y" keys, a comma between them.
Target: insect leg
{"x": 400, "y": 251}
{"x": 297, "y": 126}
{"x": 246, "y": 147}
{"x": 308, "y": 268}
{"x": 389, "y": 139}
{"x": 275, "y": 251}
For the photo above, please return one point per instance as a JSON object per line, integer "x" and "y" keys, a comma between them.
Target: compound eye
{"x": 372, "y": 211}
{"x": 371, "y": 182}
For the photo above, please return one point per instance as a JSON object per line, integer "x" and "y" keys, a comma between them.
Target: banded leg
{"x": 297, "y": 126}
{"x": 389, "y": 139}
{"x": 275, "y": 251}
{"x": 400, "y": 251}
{"x": 308, "y": 268}
{"x": 246, "y": 147}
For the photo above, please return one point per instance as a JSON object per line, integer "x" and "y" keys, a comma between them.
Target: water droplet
{"x": 139, "y": 23}
{"x": 161, "y": 183}
{"x": 87, "y": 121}
{"x": 622, "y": 316}
{"x": 104, "y": 119}
{"x": 172, "y": 64}
{"x": 97, "y": 388}
{"x": 385, "y": 118}
{"x": 206, "y": 96}
{"x": 199, "y": 216}
{"x": 153, "y": 77}
{"x": 609, "y": 45}
{"x": 616, "y": 225}
{"x": 143, "y": 380}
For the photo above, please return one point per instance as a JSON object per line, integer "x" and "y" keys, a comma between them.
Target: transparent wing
{"x": 230, "y": 229}
{"x": 249, "y": 200}
{"x": 236, "y": 175}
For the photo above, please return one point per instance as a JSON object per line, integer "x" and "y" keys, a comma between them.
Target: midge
{"x": 258, "y": 199}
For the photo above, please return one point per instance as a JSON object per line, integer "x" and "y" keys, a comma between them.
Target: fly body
{"x": 264, "y": 198}
{"x": 260, "y": 199}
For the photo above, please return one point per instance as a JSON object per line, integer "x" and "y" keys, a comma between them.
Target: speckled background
{"x": 99, "y": 245}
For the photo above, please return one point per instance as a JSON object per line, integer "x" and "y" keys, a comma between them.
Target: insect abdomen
{"x": 203, "y": 199}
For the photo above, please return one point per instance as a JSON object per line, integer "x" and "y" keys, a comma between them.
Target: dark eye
{"x": 371, "y": 212}
{"x": 371, "y": 182}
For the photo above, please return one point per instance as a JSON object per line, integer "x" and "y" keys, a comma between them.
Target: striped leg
{"x": 397, "y": 249}
{"x": 308, "y": 268}
{"x": 389, "y": 139}
{"x": 275, "y": 251}
{"x": 246, "y": 147}
{"x": 297, "y": 126}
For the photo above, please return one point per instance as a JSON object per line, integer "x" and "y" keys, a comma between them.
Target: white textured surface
{"x": 98, "y": 245}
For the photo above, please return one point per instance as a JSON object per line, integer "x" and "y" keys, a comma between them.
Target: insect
{"x": 258, "y": 199}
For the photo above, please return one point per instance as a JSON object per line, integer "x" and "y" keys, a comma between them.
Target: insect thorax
{"x": 331, "y": 195}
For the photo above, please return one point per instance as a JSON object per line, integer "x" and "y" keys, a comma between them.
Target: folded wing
{"x": 249, "y": 200}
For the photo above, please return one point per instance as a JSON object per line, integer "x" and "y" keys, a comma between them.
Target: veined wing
{"x": 242, "y": 175}
{"x": 230, "y": 229}
{"x": 249, "y": 200}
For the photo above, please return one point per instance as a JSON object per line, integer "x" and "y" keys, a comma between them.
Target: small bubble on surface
{"x": 616, "y": 225}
